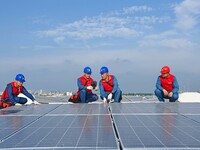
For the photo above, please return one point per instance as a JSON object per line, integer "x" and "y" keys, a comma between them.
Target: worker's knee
{"x": 174, "y": 97}
{"x": 158, "y": 92}
{"x": 83, "y": 92}
{"x": 22, "y": 100}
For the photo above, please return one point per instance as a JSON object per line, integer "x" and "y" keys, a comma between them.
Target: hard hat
{"x": 87, "y": 70}
{"x": 20, "y": 77}
{"x": 165, "y": 69}
{"x": 103, "y": 70}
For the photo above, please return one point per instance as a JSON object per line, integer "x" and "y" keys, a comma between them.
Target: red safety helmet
{"x": 165, "y": 69}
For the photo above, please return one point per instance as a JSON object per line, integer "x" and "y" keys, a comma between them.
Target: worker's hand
{"x": 96, "y": 88}
{"x": 104, "y": 100}
{"x": 110, "y": 96}
{"x": 94, "y": 84}
{"x": 170, "y": 94}
{"x": 89, "y": 87}
{"x": 36, "y": 102}
{"x": 165, "y": 92}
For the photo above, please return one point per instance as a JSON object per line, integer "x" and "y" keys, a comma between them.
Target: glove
{"x": 89, "y": 87}
{"x": 104, "y": 100}
{"x": 18, "y": 104}
{"x": 110, "y": 96}
{"x": 36, "y": 102}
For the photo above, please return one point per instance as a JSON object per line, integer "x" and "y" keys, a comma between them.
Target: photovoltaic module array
{"x": 101, "y": 126}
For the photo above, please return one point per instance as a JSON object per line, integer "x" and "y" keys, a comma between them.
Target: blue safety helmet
{"x": 20, "y": 77}
{"x": 87, "y": 70}
{"x": 103, "y": 70}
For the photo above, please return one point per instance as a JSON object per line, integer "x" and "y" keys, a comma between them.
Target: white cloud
{"x": 59, "y": 39}
{"x": 176, "y": 43}
{"x": 164, "y": 43}
{"x": 150, "y": 20}
{"x": 133, "y": 9}
{"x": 37, "y": 47}
{"x": 42, "y": 20}
{"x": 167, "y": 40}
{"x": 187, "y": 13}
{"x": 96, "y": 27}
{"x": 130, "y": 10}
{"x": 161, "y": 35}
{"x": 121, "y": 24}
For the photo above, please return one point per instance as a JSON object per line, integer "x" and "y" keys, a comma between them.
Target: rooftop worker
{"x": 166, "y": 86}
{"x": 85, "y": 87}
{"x": 13, "y": 89}
{"x": 109, "y": 88}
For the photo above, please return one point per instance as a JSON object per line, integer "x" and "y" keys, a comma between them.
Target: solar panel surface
{"x": 79, "y": 126}
{"x": 100, "y": 126}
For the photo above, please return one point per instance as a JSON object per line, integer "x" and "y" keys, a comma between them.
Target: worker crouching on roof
{"x": 85, "y": 87}
{"x": 166, "y": 86}
{"x": 109, "y": 88}
{"x": 13, "y": 89}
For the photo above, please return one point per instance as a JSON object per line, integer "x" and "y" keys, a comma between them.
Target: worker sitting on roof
{"x": 166, "y": 86}
{"x": 13, "y": 89}
{"x": 109, "y": 88}
{"x": 85, "y": 87}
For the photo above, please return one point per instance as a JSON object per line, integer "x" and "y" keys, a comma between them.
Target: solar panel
{"x": 159, "y": 125}
{"x": 100, "y": 126}
{"x": 84, "y": 127}
{"x": 135, "y": 108}
{"x": 81, "y": 109}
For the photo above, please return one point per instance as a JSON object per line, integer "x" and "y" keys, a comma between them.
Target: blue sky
{"x": 51, "y": 41}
